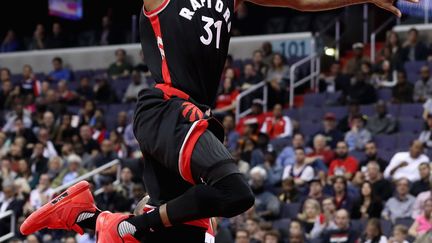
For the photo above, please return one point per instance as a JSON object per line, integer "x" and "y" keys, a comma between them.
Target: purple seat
{"x": 74, "y": 109}
{"x": 315, "y": 100}
{"x": 290, "y": 210}
{"x": 338, "y": 111}
{"x": 393, "y": 109}
{"x": 368, "y": 110}
{"x": 411, "y": 125}
{"x": 308, "y": 128}
{"x": 359, "y": 155}
{"x": 386, "y": 154}
{"x": 412, "y": 70}
{"x": 411, "y": 111}
{"x": 386, "y": 227}
{"x": 385, "y": 142}
{"x": 314, "y": 114}
{"x": 292, "y": 113}
{"x": 405, "y": 139}
{"x": 384, "y": 94}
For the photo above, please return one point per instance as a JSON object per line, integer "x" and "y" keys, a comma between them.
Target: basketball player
{"x": 190, "y": 176}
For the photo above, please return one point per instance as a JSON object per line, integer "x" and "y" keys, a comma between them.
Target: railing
{"x": 375, "y": 33}
{"x": 261, "y": 85}
{"x": 315, "y": 68}
{"x": 11, "y": 234}
{"x": 90, "y": 174}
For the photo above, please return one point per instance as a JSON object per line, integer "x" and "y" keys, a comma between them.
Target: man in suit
{"x": 9, "y": 202}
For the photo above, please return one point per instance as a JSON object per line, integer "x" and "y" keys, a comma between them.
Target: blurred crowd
{"x": 330, "y": 186}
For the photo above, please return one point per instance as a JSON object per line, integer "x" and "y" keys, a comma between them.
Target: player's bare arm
{"x": 320, "y": 5}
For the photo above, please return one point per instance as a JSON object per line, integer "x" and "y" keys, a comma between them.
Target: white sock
{"x": 125, "y": 228}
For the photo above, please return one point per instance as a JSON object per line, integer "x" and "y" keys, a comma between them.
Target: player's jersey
{"x": 185, "y": 44}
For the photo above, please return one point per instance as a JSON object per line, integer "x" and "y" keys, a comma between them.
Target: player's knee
{"x": 238, "y": 195}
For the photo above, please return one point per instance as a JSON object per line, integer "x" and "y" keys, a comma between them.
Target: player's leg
{"x": 224, "y": 193}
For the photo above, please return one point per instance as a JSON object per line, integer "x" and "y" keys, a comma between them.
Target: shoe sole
{"x": 45, "y": 211}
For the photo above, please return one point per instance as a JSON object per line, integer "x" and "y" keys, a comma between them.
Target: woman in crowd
{"x": 369, "y": 206}
{"x": 423, "y": 223}
{"x": 373, "y": 232}
{"x": 310, "y": 214}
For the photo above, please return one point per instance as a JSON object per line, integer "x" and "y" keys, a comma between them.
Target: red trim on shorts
{"x": 154, "y": 20}
{"x": 186, "y": 155}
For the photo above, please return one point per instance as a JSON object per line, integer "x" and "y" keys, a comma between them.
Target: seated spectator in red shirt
{"x": 65, "y": 94}
{"x": 343, "y": 165}
{"x": 320, "y": 150}
{"x": 257, "y": 113}
{"x": 226, "y": 100}
{"x": 278, "y": 125}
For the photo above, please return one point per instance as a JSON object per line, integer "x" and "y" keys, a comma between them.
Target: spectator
{"x": 344, "y": 232}
{"x": 289, "y": 193}
{"x": 254, "y": 230}
{"x": 420, "y": 199}
{"x": 242, "y": 236}
{"x": 29, "y": 82}
{"x": 130, "y": 140}
{"x": 256, "y": 113}
{"x": 6, "y": 172}
{"x": 354, "y": 64}
{"x": 109, "y": 199}
{"x": 277, "y": 76}
{"x": 120, "y": 68}
{"x": 371, "y": 152}
{"x": 296, "y": 232}
{"x": 361, "y": 91}
{"x": 249, "y": 77}
{"x": 49, "y": 148}
{"x": 373, "y": 232}
{"x": 277, "y": 126}
{"x": 369, "y": 205}
{"x": 413, "y": 49}
{"x": 268, "y": 53}
{"x": 126, "y": 184}
{"x": 271, "y": 236}
{"x": 327, "y": 221}
{"x": 7, "y": 94}
{"x": 423, "y": 184}
{"x": 329, "y": 130}
{"x": 9, "y": 43}
{"x": 310, "y": 214}
{"x": 38, "y": 162}
{"x": 9, "y": 202}
{"x": 344, "y": 124}
{"x": 107, "y": 155}
{"x": 382, "y": 187}
{"x": 340, "y": 192}
{"x": 423, "y": 223}
{"x": 55, "y": 165}
{"x": 425, "y": 135}
{"x": 423, "y": 86}
{"x": 119, "y": 147}
{"x": 85, "y": 90}
{"x": 42, "y": 194}
{"x": 73, "y": 171}
{"x": 58, "y": 39}
{"x": 274, "y": 171}
{"x": 334, "y": 81}
{"x": 226, "y": 99}
{"x": 65, "y": 131}
{"x": 395, "y": 49}
{"x": 400, "y": 233}
{"x": 134, "y": 88}
{"x": 231, "y": 136}
{"x": 300, "y": 171}
{"x": 287, "y": 156}
{"x": 358, "y": 136}
{"x": 258, "y": 63}
{"x": 321, "y": 153}
{"x": 59, "y": 72}
{"x": 403, "y": 91}
{"x": 266, "y": 204}
{"x": 122, "y": 122}
{"x": 405, "y": 164}
{"x": 19, "y": 128}
{"x": 344, "y": 164}
{"x": 381, "y": 122}
{"x": 103, "y": 92}
{"x": 316, "y": 190}
{"x": 88, "y": 113}
{"x": 401, "y": 205}
{"x": 107, "y": 35}
{"x": 39, "y": 39}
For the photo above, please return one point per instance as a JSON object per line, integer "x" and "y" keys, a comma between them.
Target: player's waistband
{"x": 170, "y": 92}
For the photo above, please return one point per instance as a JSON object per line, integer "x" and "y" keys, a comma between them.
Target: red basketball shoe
{"x": 107, "y": 228}
{"x": 62, "y": 212}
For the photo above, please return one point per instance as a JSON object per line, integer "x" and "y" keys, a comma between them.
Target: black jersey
{"x": 185, "y": 44}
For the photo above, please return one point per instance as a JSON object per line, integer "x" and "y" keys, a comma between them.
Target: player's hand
{"x": 388, "y": 5}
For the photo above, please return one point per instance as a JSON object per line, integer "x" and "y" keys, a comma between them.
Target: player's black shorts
{"x": 168, "y": 125}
